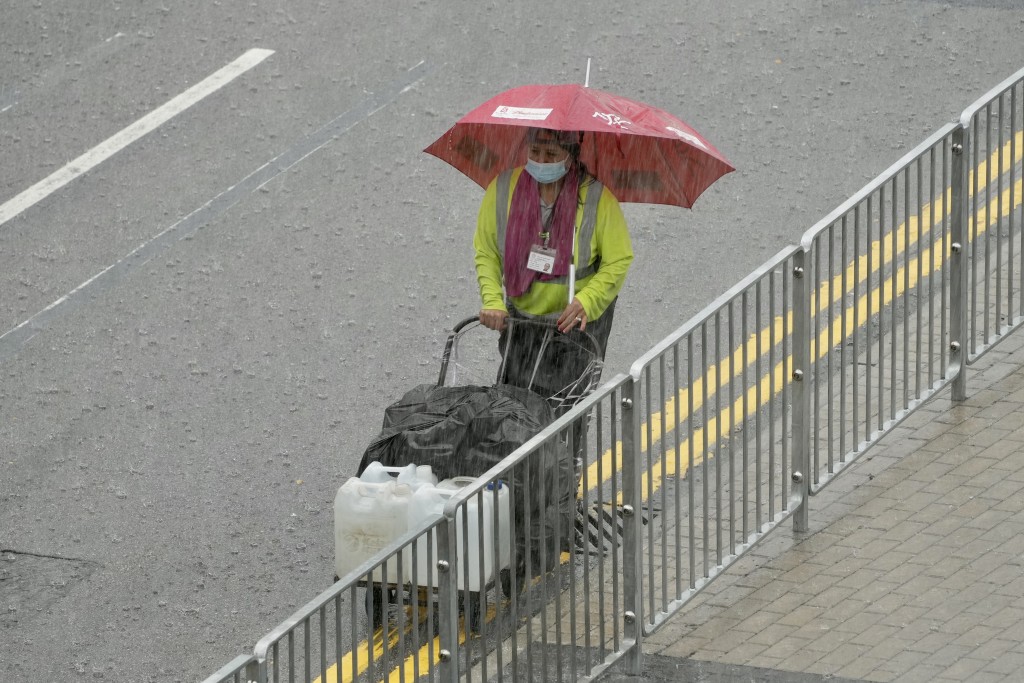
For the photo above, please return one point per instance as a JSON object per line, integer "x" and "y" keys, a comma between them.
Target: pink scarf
{"x": 524, "y": 228}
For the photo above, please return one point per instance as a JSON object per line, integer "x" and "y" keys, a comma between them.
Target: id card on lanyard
{"x": 542, "y": 259}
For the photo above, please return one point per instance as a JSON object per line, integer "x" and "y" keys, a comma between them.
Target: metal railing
{"x": 372, "y": 623}
{"x": 561, "y": 580}
{"x": 239, "y": 670}
{"x": 993, "y": 145}
{"x": 719, "y": 434}
{"x": 880, "y": 313}
{"x": 713, "y": 409}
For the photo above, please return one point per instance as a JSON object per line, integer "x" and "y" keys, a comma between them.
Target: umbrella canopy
{"x": 641, "y": 153}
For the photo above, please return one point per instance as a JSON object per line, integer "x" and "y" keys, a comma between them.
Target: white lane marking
{"x": 15, "y": 338}
{"x": 119, "y": 141}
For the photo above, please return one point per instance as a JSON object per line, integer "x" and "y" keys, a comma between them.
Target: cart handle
{"x": 447, "y": 354}
{"x": 463, "y": 324}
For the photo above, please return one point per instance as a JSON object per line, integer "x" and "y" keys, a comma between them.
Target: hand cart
{"x": 561, "y": 369}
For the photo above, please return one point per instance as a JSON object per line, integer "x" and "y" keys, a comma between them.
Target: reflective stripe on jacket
{"x": 603, "y": 252}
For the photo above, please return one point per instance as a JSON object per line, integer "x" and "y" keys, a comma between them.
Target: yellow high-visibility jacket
{"x": 599, "y": 278}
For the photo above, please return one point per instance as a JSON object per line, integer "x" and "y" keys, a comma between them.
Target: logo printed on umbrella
{"x": 612, "y": 119}
{"x": 688, "y": 137}
{"x": 525, "y": 113}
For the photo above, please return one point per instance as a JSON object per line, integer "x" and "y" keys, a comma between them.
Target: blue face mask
{"x": 546, "y": 173}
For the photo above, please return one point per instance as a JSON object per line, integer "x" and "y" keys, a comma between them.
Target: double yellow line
{"x": 829, "y": 292}
{"x": 882, "y": 252}
{"x": 359, "y": 660}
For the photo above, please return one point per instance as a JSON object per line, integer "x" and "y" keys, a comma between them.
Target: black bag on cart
{"x": 466, "y": 430}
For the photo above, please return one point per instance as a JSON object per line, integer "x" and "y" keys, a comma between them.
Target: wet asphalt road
{"x": 280, "y": 261}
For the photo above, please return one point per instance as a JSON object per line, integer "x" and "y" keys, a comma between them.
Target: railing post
{"x": 256, "y": 672}
{"x": 632, "y": 544}
{"x": 960, "y": 250}
{"x": 447, "y": 608}
{"x": 801, "y": 391}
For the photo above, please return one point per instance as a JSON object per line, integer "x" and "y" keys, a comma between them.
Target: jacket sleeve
{"x": 612, "y": 245}
{"x": 488, "y": 258}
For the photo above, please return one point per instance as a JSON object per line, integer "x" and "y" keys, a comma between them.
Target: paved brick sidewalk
{"x": 913, "y": 569}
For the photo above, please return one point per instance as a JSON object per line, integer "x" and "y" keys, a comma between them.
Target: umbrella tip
{"x": 586, "y": 81}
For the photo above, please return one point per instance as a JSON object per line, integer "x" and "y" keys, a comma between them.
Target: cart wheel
{"x": 474, "y": 611}
{"x": 505, "y": 578}
{"x": 377, "y": 601}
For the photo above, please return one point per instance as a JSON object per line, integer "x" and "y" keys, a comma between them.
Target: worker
{"x": 535, "y": 222}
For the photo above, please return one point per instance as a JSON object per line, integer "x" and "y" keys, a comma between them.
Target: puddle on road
{"x": 30, "y": 584}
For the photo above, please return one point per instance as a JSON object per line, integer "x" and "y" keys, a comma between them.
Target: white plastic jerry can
{"x": 413, "y": 475}
{"x": 473, "y": 547}
{"x": 371, "y": 511}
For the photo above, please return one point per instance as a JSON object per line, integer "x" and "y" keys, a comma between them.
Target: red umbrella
{"x": 641, "y": 153}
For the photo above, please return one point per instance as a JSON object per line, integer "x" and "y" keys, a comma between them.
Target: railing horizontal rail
{"x": 234, "y": 671}
{"x": 878, "y": 181}
{"x": 990, "y": 96}
{"x": 708, "y": 311}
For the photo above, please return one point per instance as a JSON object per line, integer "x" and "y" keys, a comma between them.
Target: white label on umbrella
{"x": 526, "y": 113}
{"x": 688, "y": 137}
